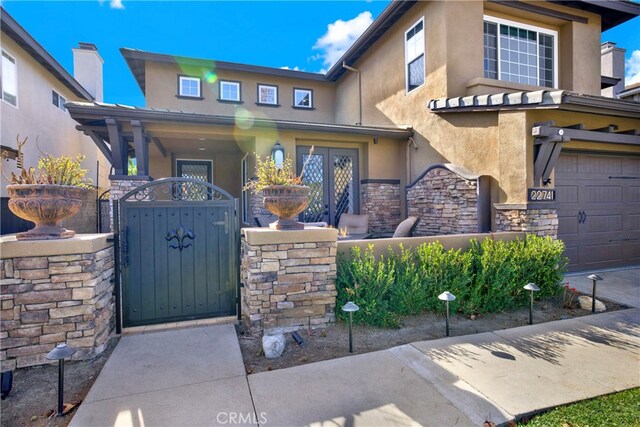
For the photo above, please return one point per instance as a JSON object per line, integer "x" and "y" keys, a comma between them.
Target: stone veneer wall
{"x": 381, "y": 202}
{"x": 288, "y": 279}
{"x": 256, "y": 207}
{"x": 543, "y": 222}
{"x": 61, "y": 292}
{"x": 445, "y": 202}
{"x": 120, "y": 187}
{"x": 85, "y": 221}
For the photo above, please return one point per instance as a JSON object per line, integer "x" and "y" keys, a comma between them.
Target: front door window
{"x": 332, "y": 174}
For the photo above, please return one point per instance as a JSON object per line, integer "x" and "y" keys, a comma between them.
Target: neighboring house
{"x": 35, "y": 89}
{"x": 631, "y": 93}
{"x": 450, "y": 111}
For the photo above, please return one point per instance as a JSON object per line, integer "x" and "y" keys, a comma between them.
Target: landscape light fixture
{"x": 594, "y": 277}
{"x": 447, "y": 297}
{"x": 277, "y": 153}
{"x": 533, "y": 288}
{"x": 61, "y": 352}
{"x": 350, "y": 307}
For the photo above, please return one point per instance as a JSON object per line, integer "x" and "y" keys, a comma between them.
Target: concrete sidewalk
{"x": 462, "y": 380}
{"x": 181, "y": 377}
{"x": 618, "y": 285}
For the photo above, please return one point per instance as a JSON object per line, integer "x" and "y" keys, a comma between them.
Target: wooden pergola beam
{"x": 118, "y": 147}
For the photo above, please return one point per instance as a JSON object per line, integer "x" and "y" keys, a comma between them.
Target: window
{"x": 58, "y": 100}
{"x": 229, "y": 91}
{"x": 519, "y": 53}
{"x": 9, "y": 79}
{"x": 267, "y": 94}
{"x": 189, "y": 86}
{"x": 302, "y": 98}
{"x": 414, "y": 56}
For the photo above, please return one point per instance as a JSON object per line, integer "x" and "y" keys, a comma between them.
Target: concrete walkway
{"x": 180, "y": 377}
{"x": 618, "y": 285}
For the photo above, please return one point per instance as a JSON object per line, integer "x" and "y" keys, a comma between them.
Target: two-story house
{"x": 474, "y": 116}
{"x": 35, "y": 89}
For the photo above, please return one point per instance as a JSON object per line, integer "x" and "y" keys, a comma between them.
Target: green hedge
{"x": 487, "y": 278}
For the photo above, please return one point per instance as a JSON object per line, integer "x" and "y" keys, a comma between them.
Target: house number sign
{"x": 541, "y": 195}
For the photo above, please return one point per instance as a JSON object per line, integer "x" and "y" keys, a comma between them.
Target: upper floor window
{"x": 267, "y": 94}
{"x": 229, "y": 91}
{"x": 414, "y": 56}
{"x": 302, "y": 98}
{"x": 189, "y": 86}
{"x": 58, "y": 100}
{"x": 520, "y": 53}
{"x": 9, "y": 79}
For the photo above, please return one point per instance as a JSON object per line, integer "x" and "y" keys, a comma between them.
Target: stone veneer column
{"x": 381, "y": 202}
{"x": 288, "y": 279}
{"x": 54, "y": 291}
{"x": 449, "y": 200}
{"x": 121, "y": 185}
{"x": 540, "y": 221}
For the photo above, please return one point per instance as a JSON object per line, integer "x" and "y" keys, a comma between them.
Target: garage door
{"x": 599, "y": 209}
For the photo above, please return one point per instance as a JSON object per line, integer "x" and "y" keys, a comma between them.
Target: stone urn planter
{"x": 286, "y": 201}
{"x": 46, "y": 205}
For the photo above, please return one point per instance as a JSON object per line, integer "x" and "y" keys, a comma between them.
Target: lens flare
{"x": 211, "y": 77}
{"x": 244, "y": 118}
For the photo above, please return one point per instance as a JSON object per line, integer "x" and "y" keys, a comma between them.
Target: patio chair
{"x": 357, "y": 225}
{"x": 405, "y": 229}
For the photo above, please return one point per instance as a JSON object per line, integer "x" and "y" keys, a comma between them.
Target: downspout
{"x": 244, "y": 191}
{"x": 410, "y": 142}
{"x": 355, "y": 70}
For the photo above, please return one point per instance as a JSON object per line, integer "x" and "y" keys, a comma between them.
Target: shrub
{"x": 486, "y": 278}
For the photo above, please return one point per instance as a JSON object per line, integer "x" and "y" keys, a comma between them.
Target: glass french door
{"x": 332, "y": 174}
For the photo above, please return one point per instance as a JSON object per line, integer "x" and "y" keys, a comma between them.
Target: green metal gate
{"x": 178, "y": 252}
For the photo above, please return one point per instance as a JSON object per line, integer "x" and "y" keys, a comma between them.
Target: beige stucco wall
{"x": 49, "y": 129}
{"x": 162, "y": 88}
{"x": 491, "y": 143}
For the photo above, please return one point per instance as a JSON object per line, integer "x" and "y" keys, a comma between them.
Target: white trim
{"x": 542, "y": 30}
{"x": 309, "y": 91}
{"x": 15, "y": 62}
{"x": 274, "y": 87}
{"x": 194, "y": 160}
{"x": 229, "y": 82}
{"x": 186, "y": 78}
{"x": 60, "y": 105}
{"x": 406, "y": 60}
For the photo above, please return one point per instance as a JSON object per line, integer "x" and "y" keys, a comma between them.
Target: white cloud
{"x": 113, "y": 4}
{"x": 632, "y": 67}
{"x": 296, "y": 68}
{"x": 340, "y": 36}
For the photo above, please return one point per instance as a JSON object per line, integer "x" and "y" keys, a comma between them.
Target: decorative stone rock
{"x": 585, "y": 304}
{"x": 273, "y": 345}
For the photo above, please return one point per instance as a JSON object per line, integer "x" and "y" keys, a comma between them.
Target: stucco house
{"x": 35, "y": 89}
{"x": 494, "y": 125}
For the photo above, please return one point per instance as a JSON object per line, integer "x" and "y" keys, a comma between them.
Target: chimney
{"x": 612, "y": 65}
{"x": 87, "y": 69}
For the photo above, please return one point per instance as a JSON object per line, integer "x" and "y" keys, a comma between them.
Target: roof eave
{"x": 16, "y": 32}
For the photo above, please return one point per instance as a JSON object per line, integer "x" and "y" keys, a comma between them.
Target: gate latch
{"x": 224, "y": 223}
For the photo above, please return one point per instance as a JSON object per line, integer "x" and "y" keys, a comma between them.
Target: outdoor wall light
{"x": 61, "y": 352}
{"x": 447, "y": 297}
{"x": 594, "y": 277}
{"x": 533, "y": 288}
{"x": 277, "y": 153}
{"x": 350, "y": 307}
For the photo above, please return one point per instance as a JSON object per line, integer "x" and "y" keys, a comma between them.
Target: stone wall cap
{"x": 266, "y": 236}
{"x": 525, "y": 206}
{"x": 79, "y": 244}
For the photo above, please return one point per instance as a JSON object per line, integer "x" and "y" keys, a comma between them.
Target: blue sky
{"x": 309, "y": 35}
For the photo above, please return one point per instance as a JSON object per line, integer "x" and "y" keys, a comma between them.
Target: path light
{"x": 533, "y": 288}
{"x": 61, "y": 352}
{"x": 447, "y": 296}
{"x": 350, "y": 307}
{"x": 594, "y": 277}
